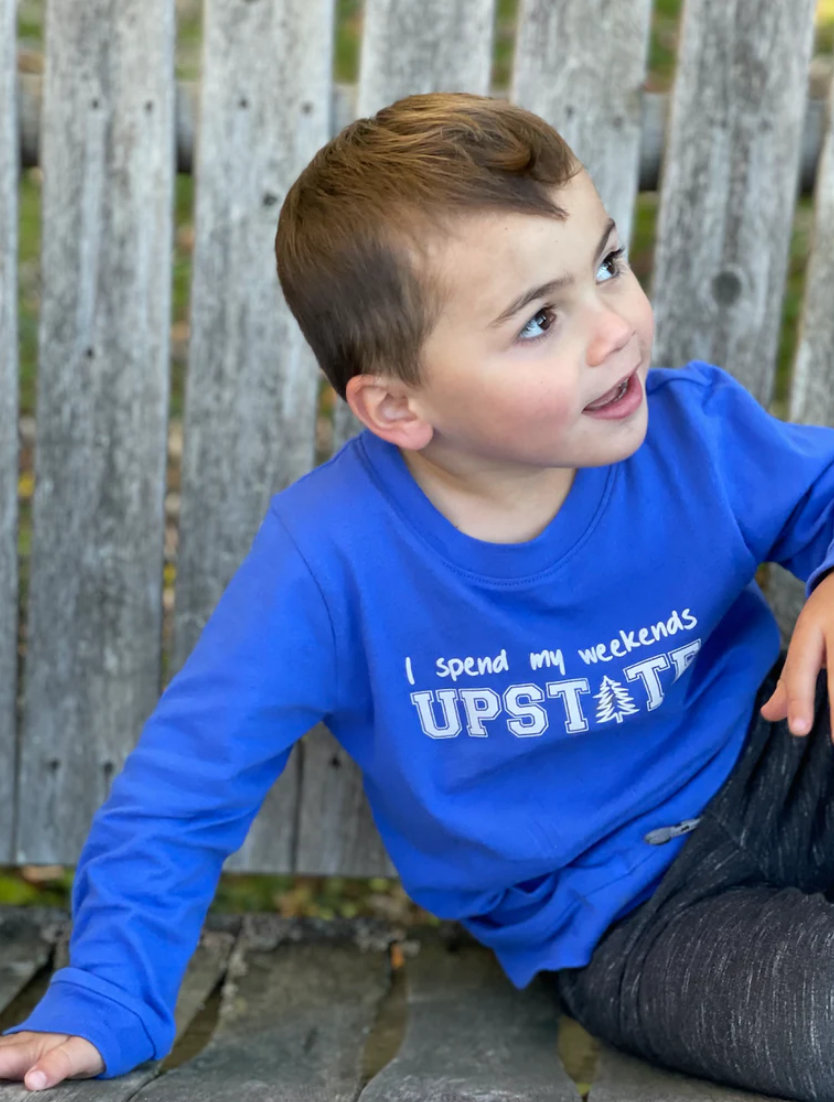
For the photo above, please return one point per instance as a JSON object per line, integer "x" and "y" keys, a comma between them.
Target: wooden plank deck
{"x": 304, "y": 1016}
{"x": 623, "y": 1079}
{"x": 471, "y": 1035}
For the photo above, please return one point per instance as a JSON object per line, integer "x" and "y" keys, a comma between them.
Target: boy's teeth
{"x": 610, "y": 396}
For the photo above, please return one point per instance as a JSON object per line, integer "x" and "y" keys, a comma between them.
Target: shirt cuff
{"x": 86, "y": 1010}
{"x": 825, "y": 567}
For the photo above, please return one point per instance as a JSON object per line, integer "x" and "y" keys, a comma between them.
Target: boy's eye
{"x": 542, "y": 321}
{"x": 615, "y": 263}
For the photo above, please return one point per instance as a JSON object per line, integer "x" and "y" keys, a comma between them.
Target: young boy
{"x": 524, "y": 602}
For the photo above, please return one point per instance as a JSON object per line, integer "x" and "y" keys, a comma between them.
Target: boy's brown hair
{"x": 355, "y": 226}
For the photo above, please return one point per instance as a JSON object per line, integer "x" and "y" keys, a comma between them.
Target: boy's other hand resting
{"x": 812, "y": 639}
{"x": 42, "y": 1060}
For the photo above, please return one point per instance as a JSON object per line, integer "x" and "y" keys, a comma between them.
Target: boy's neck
{"x": 497, "y": 506}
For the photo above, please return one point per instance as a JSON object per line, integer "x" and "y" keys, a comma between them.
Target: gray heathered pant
{"x": 727, "y": 971}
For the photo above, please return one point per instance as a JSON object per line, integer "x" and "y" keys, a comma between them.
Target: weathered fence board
{"x": 8, "y": 420}
{"x": 93, "y": 658}
{"x": 582, "y": 67}
{"x": 442, "y": 45}
{"x": 620, "y": 1078}
{"x": 472, "y": 1037}
{"x": 811, "y": 397}
{"x": 94, "y": 620}
{"x": 345, "y": 425}
{"x": 251, "y": 387}
{"x": 250, "y": 398}
{"x": 336, "y": 834}
{"x": 292, "y": 1024}
{"x": 431, "y": 46}
{"x": 408, "y": 48}
{"x": 729, "y": 184}
{"x": 654, "y": 112}
{"x": 812, "y": 393}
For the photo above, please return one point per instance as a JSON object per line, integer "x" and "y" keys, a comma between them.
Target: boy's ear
{"x": 388, "y": 409}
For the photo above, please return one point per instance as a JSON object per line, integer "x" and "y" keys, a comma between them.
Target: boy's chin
{"x": 615, "y": 451}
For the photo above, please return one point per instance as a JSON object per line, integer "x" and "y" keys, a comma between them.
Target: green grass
{"x": 15, "y": 891}
{"x": 189, "y": 45}
{"x": 641, "y": 251}
{"x": 663, "y": 44}
{"x": 824, "y": 43}
{"x": 28, "y": 288}
{"x": 348, "y": 40}
{"x": 792, "y": 302}
{"x": 239, "y": 893}
{"x": 181, "y": 279}
{"x": 505, "y": 19}
{"x": 29, "y": 29}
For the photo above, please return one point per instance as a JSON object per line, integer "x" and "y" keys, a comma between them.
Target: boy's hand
{"x": 812, "y": 642}
{"x": 43, "y": 1059}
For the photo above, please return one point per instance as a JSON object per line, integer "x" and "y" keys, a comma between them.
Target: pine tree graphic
{"x": 614, "y": 702}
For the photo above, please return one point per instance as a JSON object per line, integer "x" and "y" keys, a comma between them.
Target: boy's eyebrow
{"x": 551, "y": 286}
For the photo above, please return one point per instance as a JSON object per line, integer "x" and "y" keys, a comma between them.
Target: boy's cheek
{"x": 644, "y": 322}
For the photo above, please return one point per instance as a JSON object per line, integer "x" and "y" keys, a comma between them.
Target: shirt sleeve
{"x": 262, "y": 673}
{"x": 777, "y": 475}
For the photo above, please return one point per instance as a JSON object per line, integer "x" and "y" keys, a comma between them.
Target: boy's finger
{"x": 776, "y": 707}
{"x": 799, "y": 677}
{"x": 17, "y": 1057}
{"x": 26, "y": 1060}
{"x": 75, "y": 1058}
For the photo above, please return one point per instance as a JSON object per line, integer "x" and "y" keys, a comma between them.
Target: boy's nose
{"x": 611, "y": 333}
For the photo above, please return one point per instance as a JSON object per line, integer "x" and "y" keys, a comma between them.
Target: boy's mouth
{"x": 616, "y": 392}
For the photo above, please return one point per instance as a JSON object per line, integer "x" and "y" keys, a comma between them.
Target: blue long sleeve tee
{"x": 524, "y": 714}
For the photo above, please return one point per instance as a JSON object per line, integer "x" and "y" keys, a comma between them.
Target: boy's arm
{"x": 778, "y": 477}
{"x": 262, "y": 673}
{"x": 779, "y": 480}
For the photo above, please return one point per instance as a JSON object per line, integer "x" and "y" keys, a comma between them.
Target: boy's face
{"x": 514, "y": 392}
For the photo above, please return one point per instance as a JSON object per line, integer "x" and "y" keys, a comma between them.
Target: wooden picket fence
{"x": 108, "y": 131}
{"x": 107, "y": 139}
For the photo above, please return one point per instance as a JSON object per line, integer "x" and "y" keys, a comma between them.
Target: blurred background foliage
{"x": 314, "y": 896}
